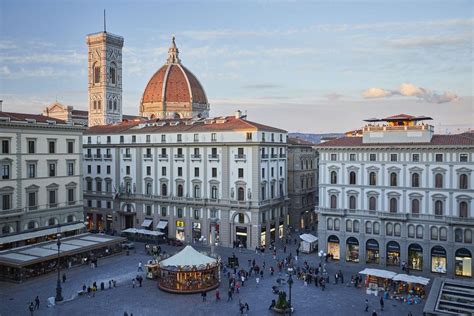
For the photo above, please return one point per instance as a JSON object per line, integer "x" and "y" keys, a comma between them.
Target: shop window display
{"x": 393, "y": 254}
{"x": 438, "y": 259}
{"x": 352, "y": 250}
{"x": 463, "y": 264}
{"x": 372, "y": 251}
{"x": 334, "y": 248}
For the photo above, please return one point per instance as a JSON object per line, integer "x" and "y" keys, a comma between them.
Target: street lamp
{"x": 290, "y": 283}
{"x": 59, "y": 296}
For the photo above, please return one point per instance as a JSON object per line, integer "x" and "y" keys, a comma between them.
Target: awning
{"x": 309, "y": 238}
{"x": 379, "y": 273}
{"x": 142, "y": 232}
{"x": 162, "y": 225}
{"x": 411, "y": 279}
{"x": 40, "y": 233}
{"x": 147, "y": 223}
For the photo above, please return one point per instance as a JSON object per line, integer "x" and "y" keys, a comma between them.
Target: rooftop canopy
{"x": 188, "y": 257}
{"x": 399, "y": 117}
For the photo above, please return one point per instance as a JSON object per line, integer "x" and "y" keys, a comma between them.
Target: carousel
{"x": 188, "y": 271}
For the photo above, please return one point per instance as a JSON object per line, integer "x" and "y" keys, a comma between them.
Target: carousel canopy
{"x": 187, "y": 257}
{"x": 411, "y": 279}
{"x": 379, "y": 273}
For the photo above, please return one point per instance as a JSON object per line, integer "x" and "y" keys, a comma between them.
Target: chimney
{"x": 238, "y": 114}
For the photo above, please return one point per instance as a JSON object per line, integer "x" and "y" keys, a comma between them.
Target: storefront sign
{"x": 179, "y": 223}
{"x": 372, "y": 244}
{"x": 463, "y": 252}
{"x": 438, "y": 251}
{"x": 393, "y": 246}
{"x": 352, "y": 241}
{"x": 333, "y": 239}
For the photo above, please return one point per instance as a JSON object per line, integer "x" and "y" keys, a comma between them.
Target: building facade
{"x": 399, "y": 193}
{"x": 41, "y": 183}
{"x": 302, "y": 184}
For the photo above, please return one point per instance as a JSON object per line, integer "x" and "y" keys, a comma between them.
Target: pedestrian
{"x": 84, "y": 288}
{"x": 257, "y": 280}
{"x": 140, "y": 280}
{"x": 381, "y": 303}
{"x": 125, "y": 314}
{"x": 64, "y": 277}
{"x": 204, "y": 296}
{"x": 247, "y": 307}
{"x": 341, "y": 276}
{"x": 243, "y": 280}
{"x": 229, "y": 295}
{"x": 237, "y": 287}
{"x": 31, "y": 308}
{"x": 366, "y": 305}
{"x": 272, "y": 305}
{"x": 374, "y": 313}
{"x": 37, "y": 302}
{"x": 410, "y": 314}
{"x": 94, "y": 289}
{"x": 140, "y": 266}
{"x": 133, "y": 283}
{"x": 218, "y": 295}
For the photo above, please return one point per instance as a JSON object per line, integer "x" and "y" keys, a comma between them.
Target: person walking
{"x": 140, "y": 266}
{"x": 218, "y": 295}
{"x": 37, "y": 303}
{"x": 381, "y": 303}
{"x": 64, "y": 277}
{"x": 229, "y": 295}
{"x": 133, "y": 283}
{"x": 366, "y": 305}
{"x": 204, "y": 296}
{"x": 31, "y": 308}
{"x": 374, "y": 313}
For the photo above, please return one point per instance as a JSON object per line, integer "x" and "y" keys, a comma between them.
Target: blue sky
{"x": 308, "y": 66}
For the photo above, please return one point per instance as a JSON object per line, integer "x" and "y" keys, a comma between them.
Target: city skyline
{"x": 380, "y": 60}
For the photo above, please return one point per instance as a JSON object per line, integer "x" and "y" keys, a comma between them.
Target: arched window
{"x": 180, "y": 190}
{"x": 439, "y": 208}
{"x": 443, "y": 234}
{"x": 352, "y": 177}
{"x": 463, "y": 181}
{"x": 434, "y": 233}
{"x": 197, "y": 191}
{"x": 214, "y": 192}
{"x": 70, "y": 219}
{"x": 352, "y": 202}
{"x": 372, "y": 203}
{"x": 333, "y": 177}
{"x": 468, "y": 236}
{"x": 415, "y": 180}
{"x": 372, "y": 178}
{"x": 438, "y": 180}
{"x": 337, "y": 224}
{"x": 52, "y": 221}
{"x": 148, "y": 188}
{"x": 415, "y": 206}
{"x": 376, "y": 228}
{"x": 329, "y": 224}
{"x": 389, "y": 229}
{"x": 164, "y": 189}
{"x": 397, "y": 229}
{"x": 110, "y": 104}
{"x": 393, "y": 205}
{"x": 112, "y": 74}
{"x": 32, "y": 225}
{"x": 348, "y": 225}
{"x": 7, "y": 229}
{"x": 356, "y": 226}
{"x": 115, "y": 105}
{"x": 368, "y": 227}
{"x": 333, "y": 201}
{"x": 463, "y": 209}
{"x": 419, "y": 232}
{"x": 393, "y": 179}
{"x": 411, "y": 231}
{"x": 240, "y": 194}
{"x": 96, "y": 73}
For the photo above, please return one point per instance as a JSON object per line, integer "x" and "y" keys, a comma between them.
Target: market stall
{"x": 309, "y": 243}
{"x": 188, "y": 271}
{"x": 410, "y": 288}
{"x": 377, "y": 280}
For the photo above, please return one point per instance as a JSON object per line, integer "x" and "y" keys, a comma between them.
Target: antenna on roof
{"x": 105, "y": 29}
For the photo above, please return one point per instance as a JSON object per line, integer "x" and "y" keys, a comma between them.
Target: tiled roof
{"x": 229, "y": 123}
{"x": 85, "y": 113}
{"x": 21, "y": 117}
{"x": 436, "y": 140}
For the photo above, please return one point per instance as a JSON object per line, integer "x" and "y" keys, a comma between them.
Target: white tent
{"x": 378, "y": 273}
{"x": 308, "y": 243}
{"x": 142, "y": 231}
{"x": 188, "y": 257}
{"x": 411, "y": 279}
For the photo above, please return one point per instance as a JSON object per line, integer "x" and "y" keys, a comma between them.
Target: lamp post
{"x": 290, "y": 283}
{"x": 59, "y": 296}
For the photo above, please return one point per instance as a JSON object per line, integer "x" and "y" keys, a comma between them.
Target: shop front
{"x": 372, "y": 253}
{"x": 393, "y": 253}
{"x": 216, "y": 236}
{"x": 263, "y": 236}
{"x": 241, "y": 236}
{"x": 281, "y": 230}
{"x": 180, "y": 235}
{"x": 89, "y": 221}
{"x": 463, "y": 265}
{"x": 272, "y": 232}
{"x": 415, "y": 257}
{"x": 334, "y": 248}
{"x": 438, "y": 259}
{"x": 100, "y": 223}
{"x": 108, "y": 222}
{"x": 352, "y": 250}
{"x": 196, "y": 231}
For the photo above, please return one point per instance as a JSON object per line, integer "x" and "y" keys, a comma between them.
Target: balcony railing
{"x": 274, "y": 155}
{"x": 87, "y": 157}
{"x": 107, "y": 156}
{"x": 163, "y": 157}
{"x": 39, "y": 208}
{"x": 97, "y": 157}
{"x": 213, "y": 157}
{"x": 196, "y": 157}
{"x": 127, "y": 156}
{"x": 147, "y": 156}
{"x": 264, "y": 156}
{"x": 282, "y": 155}
{"x": 240, "y": 157}
{"x": 179, "y": 157}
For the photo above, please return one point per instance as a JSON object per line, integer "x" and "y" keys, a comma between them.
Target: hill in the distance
{"x": 314, "y": 138}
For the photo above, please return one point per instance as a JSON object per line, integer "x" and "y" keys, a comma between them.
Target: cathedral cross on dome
{"x": 173, "y": 54}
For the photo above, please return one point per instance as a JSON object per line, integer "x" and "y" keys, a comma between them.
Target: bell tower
{"x": 105, "y": 78}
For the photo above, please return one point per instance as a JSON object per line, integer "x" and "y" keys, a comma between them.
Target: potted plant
{"x": 282, "y": 305}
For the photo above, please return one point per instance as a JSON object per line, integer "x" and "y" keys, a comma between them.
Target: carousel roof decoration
{"x": 188, "y": 257}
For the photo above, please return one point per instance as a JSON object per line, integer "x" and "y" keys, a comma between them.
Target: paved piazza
{"x": 149, "y": 300}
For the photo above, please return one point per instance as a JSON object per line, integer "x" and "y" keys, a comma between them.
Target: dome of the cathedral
{"x": 172, "y": 90}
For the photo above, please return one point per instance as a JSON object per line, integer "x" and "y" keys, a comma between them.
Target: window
{"x": 463, "y": 157}
{"x": 52, "y": 198}
{"x": 109, "y": 139}
{"x": 240, "y": 152}
{"x": 415, "y": 157}
{"x": 419, "y": 232}
{"x": 333, "y": 157}
{"x": 180, "y": 212}
{"x": 197, "y": 191}
{"x": 32, "y": 200}
{"x": 368, "y": 227}
{"x": 439, "y": 157}
{"x": 127, "y": 170}
{"x": 196, "y": 214}
{"x": 214, "y": 152}
{"x": 393, "y": 157}
{"x": 333, "y": 201}
{"x": 113, "y": 77}
{"x": 415, "y": 206}
{"x": 397, "y": 229}
{"x": 376, "y": 227}
{"x": 438, "y": 180}
{"x": 214, "y": 192}
{"x": 5, "y": 146}
{"x": 352, "y": 157}
{"x": 196, "y": 172}
{"x": 240, "y": 194}
{"x": 164, "y": 189}
{"x": 352, "y": 177}
{"x": 196, "y": 137}
{"x": 463, "y": 180}
{"x": 272, "y": 172}
{"x": 411, "y": 231}
{"x": 148, "y": 188}
{"x": 148, "y": 138}
{"x": 180, "y": 171}
{"x": 70, "y": 168}
{"x": 6, "y": 201}
{"x": 263, "y": 137}
{"x": 372, "y": 178}
{"x": 96, "y": 73}
{"x": 393, "y": 205}
{"x": 337, "y": 224}
{"x": 372, "y": 157}
{"x": 163, "y": 211}
{"x": 71, "y": 196}
{"x": 108, "y": 169}
{"x": 179, "y": 138}
{"x": 463, "y": 211}
{"x": 52, "y": 169}
{"x": 134, "y": 139}
{"x": 372, "y": 203}
{"x": 329, "y": 224}
{"x": 415, "y": 180}
{"x": 70, "y": 147}
{"x": 439, "y": 208}
{"x": 249, "y": 136}
{"x": 180, "y": 190}
{"x": 163, "y": 138}
{"x": 98, "y": 185}
{"x": 333, "y": 177}
{"x": 31, "y": 146}
{"x": 214, "y": 172}
{"x": 352, "y": 202}
{"x": 148, "y": 171}
{"x": 434, "y": 233}
{"x": 213, "y": 137}
{"x": 389, "y": 229}
{"x": 263, "y": 172}
{"x": 348, "y": 226}
{"x": 52, "y": 146}
{"x": 121, "y": 139}
{"x": 458, "y": 235}
{"x": 467, "y": 236}
{"x": 393, "y": 179}
{"x": 443, "y": 234}
{"x": 356, "y": 226}
{"x": 31, "y": 170}
{"x": 163, "y": 171}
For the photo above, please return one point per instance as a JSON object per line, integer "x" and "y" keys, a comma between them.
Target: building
{"x": 41, "y": 183}
{"x": 302, "y": 184}
{"x": 178, "y": 171}
{"x": 399, "y": 193}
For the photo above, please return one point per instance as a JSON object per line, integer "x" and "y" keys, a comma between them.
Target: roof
{"x": 378, "y": 273}
{"x": 399, "y": 117}
{"x": 308, "y": 238}
{"x": 188, "y": 257}
{"x": 299, "y": 141}
{"x": 21, "y": 117}
{"x": 229, "y": 123}
{"x": 436, "y": 140}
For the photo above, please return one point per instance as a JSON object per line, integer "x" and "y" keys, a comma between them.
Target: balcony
{"x": 240, "y": 157}
{"x": 264, "y": 156}
{"x": 107, "y": 157}
{"x": 87, "y": 157}
{"x": 274, "y": 156}
{"x": 213, "y": 157}
{"x": 163, "y": 157}
{"x": 98, "y": 157}
{"x": 179, "y": 157}
{"x": 196, "y": 157}
{"x": 282, "y": 155}
{"x": 148, "y": 157}
{"x": 127, "y": 157}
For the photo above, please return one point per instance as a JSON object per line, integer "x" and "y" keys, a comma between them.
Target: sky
{"x": 304, "y": 66}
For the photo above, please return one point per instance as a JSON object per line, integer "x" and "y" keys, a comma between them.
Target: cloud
{"x": 411, "y": 90}
{"x": 333, "y": 96}
{"x": 428, "y": 41}
{"x": 5, "y": 71}
{"x": 260, "y": 86}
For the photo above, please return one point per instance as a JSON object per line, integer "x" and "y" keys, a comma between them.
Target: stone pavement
{"x": 149, "y": 300}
